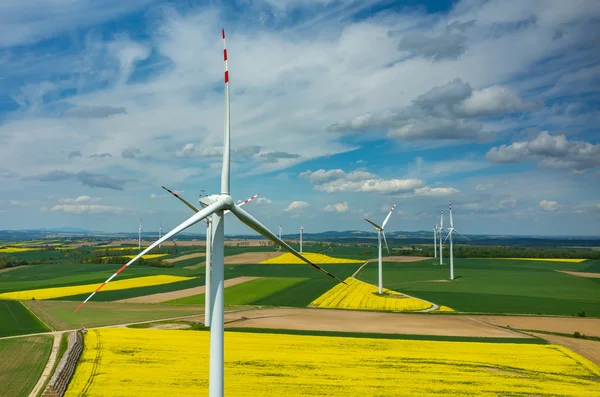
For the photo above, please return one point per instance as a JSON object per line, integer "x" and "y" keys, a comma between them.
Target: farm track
{"x": 49, "y": 365}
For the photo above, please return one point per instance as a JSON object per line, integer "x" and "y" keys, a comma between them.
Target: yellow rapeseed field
{"x": 58, "y": 292}
{"x": 356, "y": 294}
{"x": 12, "y": 250}
{"x": 319, "y": 259}
{"x": 445, "y": 309}
{"x": 150, "y": 362}
{"x": 147, "y": 256}
{"x": 544, "y": 259}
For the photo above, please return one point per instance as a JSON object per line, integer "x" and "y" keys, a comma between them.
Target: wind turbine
{"x": 218, "y": 204}
{"x": 301, "y": 229}
{"x": 160, "y": 232}
{"x": 140, "y": 235}
{"x": 440, "y": 230}
{"x": 280, "y": 230}
{"x": 380, "y": 232}
{"x": 208, "y": 266}
{"x": 452, "y": 230}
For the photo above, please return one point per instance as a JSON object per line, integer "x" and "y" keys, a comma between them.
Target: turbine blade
{"x": 226, "y": 139}
{"x": 197, "y": 217}
{"x": 448, "y": 235}
{"x": 388, "y": 216}
{"x": 261, "y": 229}
{"x": 248, "y": 200}
{"x": 450, "y": 208}
{"x": 374, "y": 224}
{"x": 386, "y": 244}
{"x": 184, "y": 201}
{"x": 456, "y": 231}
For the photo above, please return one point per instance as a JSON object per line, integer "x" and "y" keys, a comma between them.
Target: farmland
{"x": 258, "y": 364}
{"x": 15, "y": 319}
{"x": 22, "y": 363}
{"x": 319, "y": 259}
{"x": 357, "y": 294}
{"x": 496, "y": 286}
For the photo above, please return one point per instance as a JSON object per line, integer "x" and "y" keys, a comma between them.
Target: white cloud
{"x": 88, "y": 209}
{"x": 548, "y": 205}
{"x": 339, "y": 207}
{"x": 263, "y": 200}
{"x": 436, "y": 191}
{"x": 357, "y": 181}
{"x": 297, "y": 207}
{"x": 16, "y": 203}
{"x": 79, "y": 200}
{"x": 549, "y": 151}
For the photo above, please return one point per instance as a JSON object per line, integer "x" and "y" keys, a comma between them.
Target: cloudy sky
{"x": 339, "y": 109}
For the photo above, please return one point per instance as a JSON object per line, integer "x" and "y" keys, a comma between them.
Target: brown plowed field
{"x": 184, "y": 257}
{"x": 587, "y": 348}
{"x": 581, "y": 274}
{"x": 358, "y": 321}
{"x": 184, "y": 293}
{"x": 562, "y": 325}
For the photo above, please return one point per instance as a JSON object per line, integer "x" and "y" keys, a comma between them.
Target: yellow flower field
{"x": 319, "y": 259}
{"x": 147, "y": 256}
{"x": 58, "y": 292}
{"x": 445, "y": 309}
{"x": 150, "y": 362}
{"x": 12, "y": 250}
{"x": 543, "y": 259}
{"x": 356, "y": 294}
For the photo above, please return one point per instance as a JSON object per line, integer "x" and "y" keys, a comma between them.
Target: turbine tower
{"x": 208, "y": 256}
{"x": 380, "y": 232}
{"x": 452, "y": 230}
{"x": 280, "y": 230}
{"x": 218, "y": 204}
{"x": 160, "y": 232}
{"x": 140, "y": 235}
{"x": 301, "y": 229}
{"x": 440, "y": 230}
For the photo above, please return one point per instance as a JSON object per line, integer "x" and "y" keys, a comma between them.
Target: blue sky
{"x": 339, "y": 109}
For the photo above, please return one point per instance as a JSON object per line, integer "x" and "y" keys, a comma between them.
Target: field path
{"x": 184, "y": 293}
{"x": 184, "y": 257}
{"x": 580, "y": 274}
{"x": 49, "y": 365}
{"x": 400, "y": 259}
{"x": 589, "y": 349}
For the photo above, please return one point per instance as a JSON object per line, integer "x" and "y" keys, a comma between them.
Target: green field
{"x": 60, "y": 314}
{"x": 496, "y": 286}
{"x": 246, "y": 293}
{"x": 23, "y": 360}
{"x": 15, "y": 319}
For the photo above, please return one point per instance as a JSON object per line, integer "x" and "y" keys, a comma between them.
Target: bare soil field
{"x": 587, "y": 348}
{"x": 8, "y": 269}
{"x": 184, "y": 293}
{"x": 563, "y": 325}
{"x": 184, "y": 257}
{"x": 358, "y": 321}
{"x": 400, "y": 259}
{"x": 250, "y": 258}
{"x": 146, "y": 243}
{"x": 581, "y": 274}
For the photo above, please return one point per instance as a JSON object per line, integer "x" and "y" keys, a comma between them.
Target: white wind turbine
{"x": 440, "y": 230}
{"x": 280, "y": 231}
{"x": 380, "y": 232}
{"x": 208, "y": 266}
{"x": 452, "y": 230}
{"x": 218, "y": 204}
{"x": 160, "y": 232}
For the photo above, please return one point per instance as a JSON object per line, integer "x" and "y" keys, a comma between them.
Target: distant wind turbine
{"x": 218, "y": 204}
{"x": 435, "y": 233}
{"x": 380, "y": 232}
{"x": 440, "y": 230}
{"x": 140, "y": 236}
{"x": 301, "y": 229}
{"x": 450, "y": 232}
{"x": 160, "y": 232}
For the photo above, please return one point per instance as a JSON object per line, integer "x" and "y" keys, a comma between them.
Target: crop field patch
{"x": 358, "y": 295}
{"x": 60, "y": 314}
{"x": 15, "y": 319}
{"x": 245, "y": 293}
{"x": 59, "y": 292}
{"x": 319, "y": 259}
{"x": 259, "y": 364}
{"x": 22, "y": 363}
{"x": 493, "y": 286}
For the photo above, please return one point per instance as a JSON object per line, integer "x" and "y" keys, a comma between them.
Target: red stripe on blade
{"x": 225, "y": 54}
{"x": 121, "y": 269}
{"x": 79, "y": 307}
{"x": 227, "y": 77}
{"x": 223, "y": 32}
{"x": 101, "y": 285}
